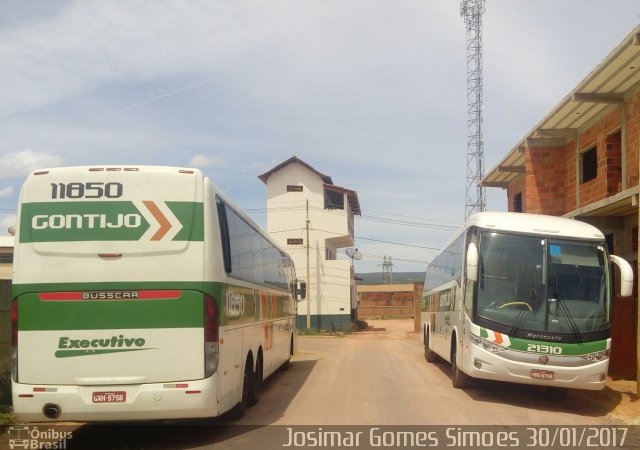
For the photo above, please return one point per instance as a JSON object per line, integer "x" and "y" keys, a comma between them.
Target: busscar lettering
{"x": 111, "y": 295}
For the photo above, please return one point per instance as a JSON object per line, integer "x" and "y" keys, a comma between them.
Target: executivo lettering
{"x": 98, "y": 346}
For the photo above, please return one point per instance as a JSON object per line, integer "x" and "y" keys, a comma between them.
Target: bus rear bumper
{"x": 173, "y": 400}
{"x": 491, "y": 366}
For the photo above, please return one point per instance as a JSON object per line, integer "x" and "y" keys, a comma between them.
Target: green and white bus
{"x": 143, "y": 293}
{"x": 523, "y": 298}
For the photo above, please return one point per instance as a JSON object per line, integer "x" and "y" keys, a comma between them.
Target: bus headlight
{"x": 486, "y": 345}
{"x": 597, "y": 356}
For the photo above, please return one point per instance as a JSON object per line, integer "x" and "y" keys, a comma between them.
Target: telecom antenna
{"x": 471, "y": 11}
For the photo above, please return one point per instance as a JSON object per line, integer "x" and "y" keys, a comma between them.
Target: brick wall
{"x": 609, "y": 159}
{"x": 517, "y": 186}
{"x": 545, "y": 175}
{"x": 380, "y": 304}
{"x": 570, "y": 202}
{"x": 632, "y": 110}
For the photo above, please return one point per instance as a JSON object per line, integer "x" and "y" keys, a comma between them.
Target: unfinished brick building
{"x": 581, "y": 161}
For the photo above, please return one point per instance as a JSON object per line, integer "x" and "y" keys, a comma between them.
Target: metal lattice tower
{"x": 387, "y": 271}
{"x": 471, "y": 11}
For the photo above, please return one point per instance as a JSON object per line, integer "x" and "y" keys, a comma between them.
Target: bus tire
{"x": 256, "y": 378}
{"x": 237, "y": 412}
{"x": 459, "y": 379}
{"x": 429, "y": 354}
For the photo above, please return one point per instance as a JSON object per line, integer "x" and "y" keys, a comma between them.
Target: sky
{"x": 369, "y": 92}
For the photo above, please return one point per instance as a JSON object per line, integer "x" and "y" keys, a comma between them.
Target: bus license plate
{"x": 109, "y": 397}
{"x": 542, "y": 374}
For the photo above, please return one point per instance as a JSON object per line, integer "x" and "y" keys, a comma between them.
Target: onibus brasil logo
{"x": 68, "y": 347}
{"x": 111, "y": 221}
{"x": 34, "y": 437}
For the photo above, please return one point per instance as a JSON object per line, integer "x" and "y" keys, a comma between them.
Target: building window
{"x": 589, "y": 164}
{"x": 294, "y": 188}
{"x": 517, "y": 202}
{"x": 294, "y": 241}
{"x": 333, "y": 200}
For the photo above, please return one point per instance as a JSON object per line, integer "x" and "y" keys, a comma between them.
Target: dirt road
{"x": 380, "y": 377}
{"x": 375, "y": 378}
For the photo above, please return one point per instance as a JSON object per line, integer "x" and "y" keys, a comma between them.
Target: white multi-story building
{"x": 312, "y": 218}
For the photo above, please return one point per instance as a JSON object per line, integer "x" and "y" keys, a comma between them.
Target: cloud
{"x": 18, "y": 164}
{"x": 6, "y": 192}
{"x": 201, "y": 161}
{"x": 6, "y": 222}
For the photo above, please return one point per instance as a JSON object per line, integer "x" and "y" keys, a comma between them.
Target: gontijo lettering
{"x": 81, "y": 221}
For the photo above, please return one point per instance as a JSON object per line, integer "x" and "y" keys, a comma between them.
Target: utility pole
{"x": 471, "y": 11}
{"x": 308, "y": 274}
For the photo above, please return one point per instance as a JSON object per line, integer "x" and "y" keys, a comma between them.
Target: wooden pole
{"x": 308, "y": 275}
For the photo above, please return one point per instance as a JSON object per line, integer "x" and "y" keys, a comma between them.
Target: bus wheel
{"x": 458, "y": 377}
{"x": 429, "y": 354}
{"x": 238, "y": 411}
{"x": 256, "y": 385}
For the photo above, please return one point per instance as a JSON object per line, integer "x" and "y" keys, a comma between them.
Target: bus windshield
{"x": 538, "y": 284}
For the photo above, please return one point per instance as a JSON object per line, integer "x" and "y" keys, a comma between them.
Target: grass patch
{"x": 316, "y": 332}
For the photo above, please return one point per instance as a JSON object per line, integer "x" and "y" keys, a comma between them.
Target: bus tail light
{"x": 211, "y": 335}
{"x": 14, "y": 339}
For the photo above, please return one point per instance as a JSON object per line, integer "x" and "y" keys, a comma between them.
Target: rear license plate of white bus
{"x": 109, "y": 397}
{"x": 542, "y": 374}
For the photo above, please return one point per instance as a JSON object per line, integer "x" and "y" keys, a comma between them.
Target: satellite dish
{"x": 353, "y": 253}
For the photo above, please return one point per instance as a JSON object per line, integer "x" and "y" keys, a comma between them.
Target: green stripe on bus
{"x": 557, "y": 348}
{"x": 38, "y": 315}
{"x": 74, "y": 353}
{"x": 102, "y": 221}
{"x": 191, "y": 216}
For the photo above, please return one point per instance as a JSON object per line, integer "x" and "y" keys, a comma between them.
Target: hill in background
{"x": 398, "y": 277}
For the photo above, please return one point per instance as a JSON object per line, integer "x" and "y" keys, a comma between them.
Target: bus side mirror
{"x": 302, "y": 290}
{"x": 626, "y": 275}
{"x": 472, "y": 262}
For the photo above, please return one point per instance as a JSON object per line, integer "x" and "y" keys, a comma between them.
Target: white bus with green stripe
{"x": 143, "y": 293}
{"x": 523, "y": 298}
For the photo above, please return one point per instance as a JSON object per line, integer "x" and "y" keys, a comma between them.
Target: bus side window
{"x": 224, "y": 234}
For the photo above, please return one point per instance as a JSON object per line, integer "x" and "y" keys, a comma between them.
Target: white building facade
{"x": 311, "y": 218}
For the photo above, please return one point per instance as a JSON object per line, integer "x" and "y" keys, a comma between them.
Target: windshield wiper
{"x": 565, "y": 309}
{"x": 521, "y": 316}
